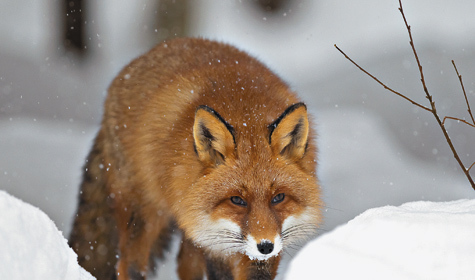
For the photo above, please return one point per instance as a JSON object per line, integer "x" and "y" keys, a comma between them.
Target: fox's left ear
{"x": 289, "y": 133}
{"x": 213, "y": 137}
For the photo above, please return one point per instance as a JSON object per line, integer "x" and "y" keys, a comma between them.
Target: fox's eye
{"x": 278, "y": 198}
{"x": 238, "y": 201}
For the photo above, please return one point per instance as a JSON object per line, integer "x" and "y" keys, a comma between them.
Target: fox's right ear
{"x": 213, "y": 136}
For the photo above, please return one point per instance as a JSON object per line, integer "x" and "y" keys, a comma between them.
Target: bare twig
{"x": 457, "y": 119}
{"x": 411, "y": 42}
{"x": 464, "y": 93}
{"x": 432, "y": 108}
{"x": 381, "y": 83}
{"x": 470, "y": 167}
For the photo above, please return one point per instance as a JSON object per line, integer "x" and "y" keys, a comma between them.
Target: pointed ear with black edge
{"x": 213, "y": 137}
{"x": 289, "y": 132}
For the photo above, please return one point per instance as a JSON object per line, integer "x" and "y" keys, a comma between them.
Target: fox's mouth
{"x": 225, "y": 238}
{"x": 263, "y": 250}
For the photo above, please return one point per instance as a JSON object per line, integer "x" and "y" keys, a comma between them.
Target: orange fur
{"x": 186, "y": 127}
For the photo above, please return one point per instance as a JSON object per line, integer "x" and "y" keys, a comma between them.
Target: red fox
{"x": 198, "y": 137}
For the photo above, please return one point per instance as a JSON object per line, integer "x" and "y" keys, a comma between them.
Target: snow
{"x": 417, "y": 240}
{"x": 32, "y": 246}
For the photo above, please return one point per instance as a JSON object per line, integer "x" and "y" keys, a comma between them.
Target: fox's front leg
{"x": 191, "y": 261}
{"x": 137, "y": 237}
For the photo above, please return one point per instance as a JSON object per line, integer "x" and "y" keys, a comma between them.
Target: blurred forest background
{"x": 58, "y": 57}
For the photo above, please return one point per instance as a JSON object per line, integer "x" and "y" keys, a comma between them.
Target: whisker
{"x": 300, "y": 231}
{"x": 296, "y": 236}
{"x": 222, "y": 234}
{"x": 295, "y": 246}
{"x": 302, "y": 226}
{"x": 223, "y": 240}
{"x": 220, "y": 237}
{"x": 288, "y": 253}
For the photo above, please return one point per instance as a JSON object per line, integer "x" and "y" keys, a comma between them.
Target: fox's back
{"x": 176, "y": 76}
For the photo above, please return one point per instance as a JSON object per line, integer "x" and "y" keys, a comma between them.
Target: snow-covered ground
{"x": 32, "y": 246}
{"x": 417, "y": 240}
{"x": 375, "y": 149}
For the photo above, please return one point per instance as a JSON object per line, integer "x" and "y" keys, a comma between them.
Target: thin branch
{"x": 432, "y": 103}
{"x": 381, "y": 83}
{"x": 470, "y": 167}
{"x": 457, "y": 119}
{"x": 464, "y": 93}
{"x": 411, "y": 42}
{"x": 432, "y": 108}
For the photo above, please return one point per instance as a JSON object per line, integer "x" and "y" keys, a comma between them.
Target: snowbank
{"x": 417, "y": 240}
{"x": 31, "y": 245}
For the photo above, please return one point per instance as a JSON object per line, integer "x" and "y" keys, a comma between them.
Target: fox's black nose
{"x": 265, "y": 247}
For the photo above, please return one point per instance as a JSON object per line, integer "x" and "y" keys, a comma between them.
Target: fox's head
{"x": 258, "y": 192}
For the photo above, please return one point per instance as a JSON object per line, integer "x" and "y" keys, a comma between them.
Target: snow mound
{"x": 31, "y": 245}
{"x": 417, "y": 240}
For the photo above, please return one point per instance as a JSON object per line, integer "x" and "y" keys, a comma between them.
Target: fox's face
{"x": 256, "y": 197}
